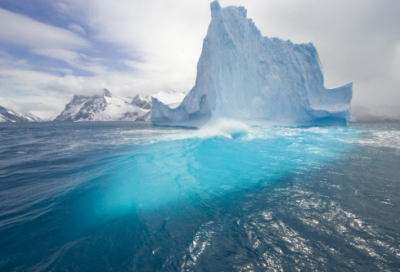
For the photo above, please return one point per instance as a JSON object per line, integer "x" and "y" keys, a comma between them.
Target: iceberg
{"x": 170, "y": 99}
{"x": 243, "y": 75}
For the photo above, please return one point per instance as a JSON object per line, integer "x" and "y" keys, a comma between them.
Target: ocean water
{"x": 127, "y": 196}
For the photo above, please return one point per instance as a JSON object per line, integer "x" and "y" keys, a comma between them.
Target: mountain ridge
{"x": 105, "y": 107}
{"x": 7, "y": 115}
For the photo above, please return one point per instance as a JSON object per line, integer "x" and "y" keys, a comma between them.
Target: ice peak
{"x": 215, "y": 7}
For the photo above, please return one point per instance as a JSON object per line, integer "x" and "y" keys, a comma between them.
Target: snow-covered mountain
{"x": 7, "y": 115}
{"x": 243, "y": 75}
{"x": 106, "y": 107}
{"x": 142, "y": 102}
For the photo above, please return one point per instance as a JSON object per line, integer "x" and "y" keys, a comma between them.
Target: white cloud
{"x": 22, "y": 31}
{"x": 74, "y": 59}
{"x": 63, "y": 8}
{"x": 46, "y": 40}
{"x": 57, "y": 53}
{"x": 27, "y": 90}
{"x": 167, "y": 35}
{"x": 76, "y": 28}
{"x": 18, "y": 88}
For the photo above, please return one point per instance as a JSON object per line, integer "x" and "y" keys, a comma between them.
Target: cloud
{"x": 23, "y": 82}
{"x": 20, "y": 30}
{"x": 63, "y": 8}
{"x": 76, "y": 28}
{"x": 162, "y": 39}
{"x": 74, "y": 59}
{"x": 47, "y": 40}
{"x": 19, "y": 90}
{"x": 45, "y": 94}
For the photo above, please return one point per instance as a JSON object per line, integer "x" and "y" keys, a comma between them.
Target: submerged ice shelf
{"x": 243, "y": 75}
{"x": 221, "y": 158}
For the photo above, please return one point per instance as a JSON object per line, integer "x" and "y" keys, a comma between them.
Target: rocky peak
{"x": 107, "y": 93}
{"x": 141, "y": 102}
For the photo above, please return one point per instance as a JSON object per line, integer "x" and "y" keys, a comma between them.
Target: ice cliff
{"x": 246, "y": 76}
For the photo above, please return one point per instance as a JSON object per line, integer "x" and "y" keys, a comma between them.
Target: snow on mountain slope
{"x": 142, "y": 102}
{"x": 7, "y": 115}
{"x": 243, "y": 75}
{"x": 103, "y": 108}
{"x": 36, "y": 118}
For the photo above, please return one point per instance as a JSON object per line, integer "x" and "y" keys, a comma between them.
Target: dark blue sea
{"x": 129, "y": 196}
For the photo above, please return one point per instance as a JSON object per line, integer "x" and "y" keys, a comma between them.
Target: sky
{"x": 51, "y": 50}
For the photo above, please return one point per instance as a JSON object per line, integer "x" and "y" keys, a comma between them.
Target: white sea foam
{"x": 379, "y": 138}
{"x": 224, "y": 127}
{"x": 235, "y": 129}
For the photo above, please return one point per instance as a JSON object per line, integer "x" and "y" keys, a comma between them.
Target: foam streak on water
{"x": 132, "y": 196}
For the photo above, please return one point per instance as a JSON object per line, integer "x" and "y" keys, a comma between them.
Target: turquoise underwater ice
{"x": 215, "y": 161}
